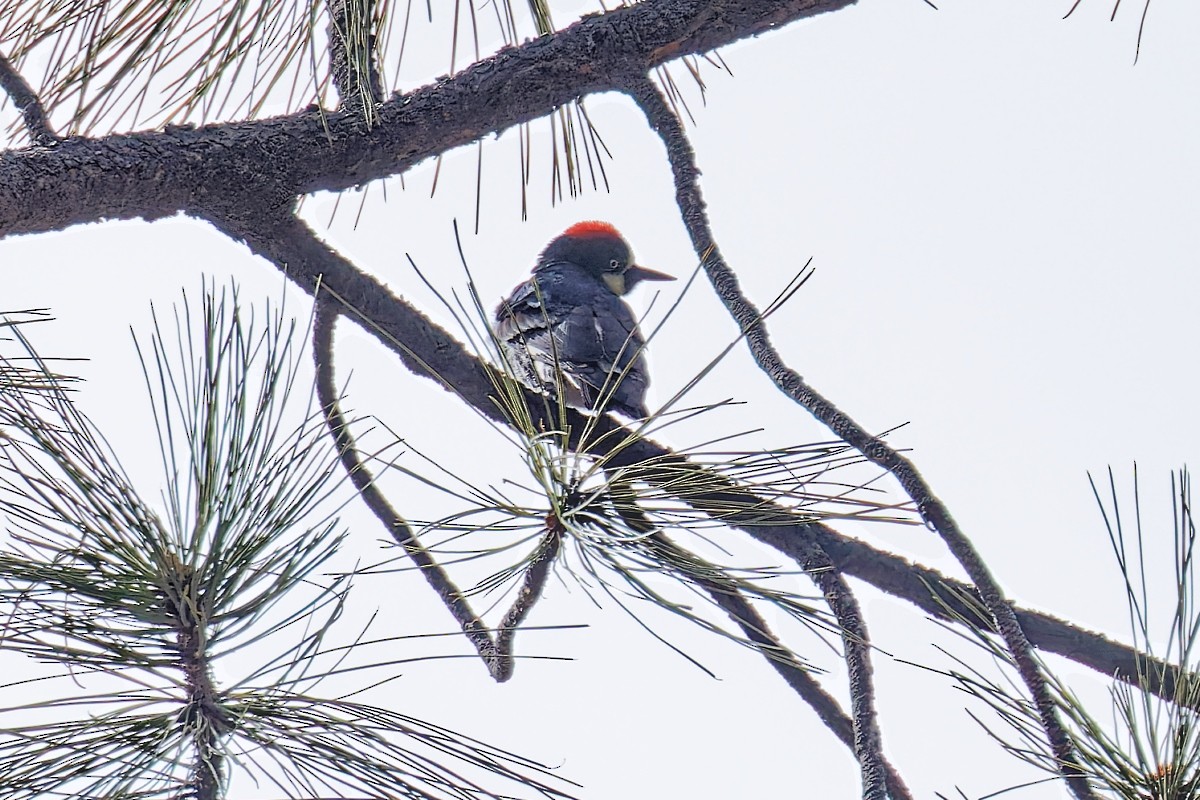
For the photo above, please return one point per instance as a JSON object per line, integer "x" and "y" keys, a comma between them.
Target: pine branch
{"x": 428, "y": 350}
{"x": 265, "y": 164}
{"x": 131, "y": 609}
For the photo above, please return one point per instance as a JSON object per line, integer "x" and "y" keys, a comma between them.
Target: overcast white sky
{"x": 1002, "y": 210}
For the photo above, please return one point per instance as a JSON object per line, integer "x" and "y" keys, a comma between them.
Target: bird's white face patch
{"x": 615, "y": 281}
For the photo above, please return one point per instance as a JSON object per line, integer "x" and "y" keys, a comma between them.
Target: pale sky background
{"x": 1003, "y": 213}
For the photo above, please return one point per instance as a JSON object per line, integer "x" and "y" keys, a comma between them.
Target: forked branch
{"x": 801, "y": 682}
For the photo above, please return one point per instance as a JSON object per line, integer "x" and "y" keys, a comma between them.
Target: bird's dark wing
{"x": 523, "y": 328}
{"x": 587, "y": 331}
{"x": 520, "y": 313}
{"x": 603, "y": 350}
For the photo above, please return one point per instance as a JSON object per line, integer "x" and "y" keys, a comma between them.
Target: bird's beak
{"x": 620, "y": 283}
{"x": 635, "y": 273}
{"x": 632, "y": 276}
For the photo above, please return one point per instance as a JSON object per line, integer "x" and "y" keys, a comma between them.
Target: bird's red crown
{"x": 591, "y": 229}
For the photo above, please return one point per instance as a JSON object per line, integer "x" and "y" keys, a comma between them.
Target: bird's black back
{"x": 570, "y": 315}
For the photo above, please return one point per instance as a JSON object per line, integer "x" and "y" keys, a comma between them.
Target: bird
{"x": 569, "y": 319}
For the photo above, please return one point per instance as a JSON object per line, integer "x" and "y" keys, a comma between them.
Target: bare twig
{"x": 1116, "y": 7}
{"x": 28, "y": 103}
{"x": 868, "y": 741}
{"x": 724, "y": 281}
{"x": 861, "y": 734}
{"x": 531, "y": 590}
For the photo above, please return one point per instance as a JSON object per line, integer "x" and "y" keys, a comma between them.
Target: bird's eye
{"x": 615, "y": 265}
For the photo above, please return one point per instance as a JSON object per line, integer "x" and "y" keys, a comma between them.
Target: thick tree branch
{"x": 28, "y": 103}
{"x": 430, "y": 351}
{"x": 724, "y": 281}
{"x": 155, "y": 175}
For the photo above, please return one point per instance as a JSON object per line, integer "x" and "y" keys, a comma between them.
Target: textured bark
{"x": 267, "y": 162}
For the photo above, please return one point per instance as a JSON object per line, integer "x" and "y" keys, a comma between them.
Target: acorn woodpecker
{"x": 571, "y": 313}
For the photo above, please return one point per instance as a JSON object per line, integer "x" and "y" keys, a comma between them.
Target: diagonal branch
{"x": 428, "y": 350}
{"x": 802, "y": 683}
{"x": 28, "y": 103}
{"x": 861, "y": 734}
{"x": 866, "y": 740}
{"x": 724, "y": 281}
